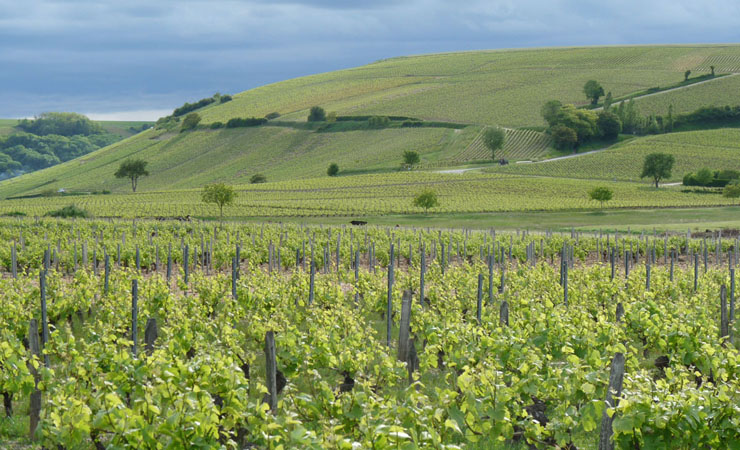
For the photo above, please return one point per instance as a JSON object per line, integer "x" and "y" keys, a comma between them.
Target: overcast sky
{"x": 122, "y": 59}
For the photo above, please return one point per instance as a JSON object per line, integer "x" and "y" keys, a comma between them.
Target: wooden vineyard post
{"x": 724, "y": 325}
{"x": 357, "y": 277}
{"x": 422, "y": 276}
{"x": 44, "y": 321}
{"x": 169, "y": 263}
{"x": 312, "y": 283}
{"x": 138, "y": 260}
{"x": 504, "y": 313}
{"x": 611, "y": 260}
{"x": 134, "y": 313}
{"x": 185, "y": 262}
{"x": 620, "y": 312}
{"x": 14, "y": 261}
{"x": 389, "y": 310}
{"x": 404, "y": 331}
{"x": 233, "y": 277}
{"x": 502, "y": 286}
{"x": 271, "y": 371}
{"x": 696, "y": 272}
{"x": 412, "y": 360}
{"x": 673, "y": 265}
{"x": 648, "y": 272}
{"x": 565, "y": 284}
{"x": 35, "y": 402}
{"x": 106, "y": 285}
{"x": 732, "y": 305}
{"x": 480, "y": 298}
{"x": 616, "y": 376}
{"x": 151, "y": 333}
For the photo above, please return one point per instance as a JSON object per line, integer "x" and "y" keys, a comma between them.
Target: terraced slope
{"x": 519, "y": 145}
{"x": 717, "y": 92}
{"x": 715, "y": 149}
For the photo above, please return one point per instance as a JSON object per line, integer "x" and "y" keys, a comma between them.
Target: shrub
{"x": 379, "y": 122}
{"x": 189, "y": 107}
{"x": 411, "y": 123}
{"x": 272, "y": 115}
{"x": 258, "y": 178}
{"x": 70, "y": 211}
{"x": 245, "y": 122}
{"x": 565, "y": 138}
{"x": 225, "y": 98}
{"x": 216, "y": 125}
{"x": 190, "y": 122}
{"x": 317, "y": 114}
{"x": 15, "y": 214}
{"x": 333, "y": 170}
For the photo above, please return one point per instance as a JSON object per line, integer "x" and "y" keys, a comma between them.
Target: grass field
{"x": 378, "y": 194}
{"x": 715, "y": 149}
{"x": 718, "y": 92}
{"x": 486, "y": 87}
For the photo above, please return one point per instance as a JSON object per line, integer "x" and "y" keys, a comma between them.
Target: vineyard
{"x": 376, "y": 194}
{"x": 687, "y": 100}
{"x": 518, "y": 145}
{"x": 714, "y": 149}
{"x": 164, "y": 335}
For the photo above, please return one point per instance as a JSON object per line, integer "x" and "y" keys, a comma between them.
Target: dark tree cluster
{"x": 572, "y": 127}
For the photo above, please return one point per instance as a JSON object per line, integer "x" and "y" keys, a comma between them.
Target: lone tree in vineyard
{"x": 333, "y": 170}
{"x": 658, "y": 166}
{"x": 426, "y": 199}
{"x": 410, "y": 158}
{"x": 220, "y": 194}
{"x": 494, "y": 139}
{"x": 601, "y": 194}
{"x": 732, "y": 190}
{"x": 593, "y": 91}
{"x": 133, "y": 169}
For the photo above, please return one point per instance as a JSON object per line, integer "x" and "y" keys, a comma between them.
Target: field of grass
{"x": 715, "y": 149}
{"x": 123, "y": 128}
{"x": 189, "y": 160}
{"x": 504, "y": 87}
{"x": 378, "y": 194}
{"x": 6, "y": 126}
{"x": 718, "y": 92}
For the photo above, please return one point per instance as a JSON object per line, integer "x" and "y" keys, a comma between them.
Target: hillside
{"x": 505, "y": 88}
{"x": 714, "y": 149}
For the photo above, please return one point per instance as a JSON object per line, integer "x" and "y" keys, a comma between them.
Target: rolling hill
{"x": 471, "y": 90}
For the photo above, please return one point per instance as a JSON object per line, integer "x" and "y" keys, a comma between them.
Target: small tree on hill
{"x": 658, "y": 166}
{"x": 609, "y": 124}
{"x": 410, "y": 158}
{"x": 333, "y": 170}
{"x": 426, "y": 199}
{"x": 550, "y": 111}
{"x": 494, "y": 139}
{"x": 133, "y": 169}
{"x": 220, "y": 194}
{"x": 732, "y": 190}
{"x": 593, "y": 91}
{"x": 686, "y": 75}
{"x": 608, "y": 101}
{"x": 601, "y": 194}
{"x": 258, "y": 178}
{"x": 317, "y": 114}
{"x": 565, "y": 138}
{"x": 190, "y": 122}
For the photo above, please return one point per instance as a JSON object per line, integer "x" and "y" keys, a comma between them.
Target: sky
{"x": 139, "y": 59}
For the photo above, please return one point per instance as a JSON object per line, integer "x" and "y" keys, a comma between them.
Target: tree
{"x": 609, "y": 124}
{"x": 550, "y": 111}
{"x": 704, "y": 177}
{"x": 317, "y": 114}
{"x": 494, "y": 139}
{"x": 608, "y": 101}
{"x": 712, "y": 68}
{"x": 601, "y": 194}
{"x": 411, "y": 157}
{"x": 582, "y": 121}
{"x": 190, "y": 122}
{"x": 220, "y": 194}
{"x": 331, "y": 117}
{"x": 333, "y": 170}
{"x": 658, "y": 166}
{"x": 565, "y": 138}
{"x": 133, "y": 169}
{"x": 258, "y": 178}
{"x": 732, "y": 190}
{"x": 593, "y": 91}
{"x": 686, "y": 75}
{"x": 426, "y": 199}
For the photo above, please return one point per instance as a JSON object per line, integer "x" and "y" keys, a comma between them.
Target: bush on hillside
{"x": 379, "y": 121}
{"x": 60, "y": 123}
{"x": 317, "y": 114}
{"x": 237, "y": 122}
{"x": 225, "y": 98}
{"x": 272, "y": 115}
{"x": 216, "y": 125}
{"x": 333, "y": 170}
{"x": 190, "y": 107}
{"x": 707, "y": 178}
{"x": 258, "y": 178}
{"x": 69, "y": 212}
{"x": 190, "y": 122}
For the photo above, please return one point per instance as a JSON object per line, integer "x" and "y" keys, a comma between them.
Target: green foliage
{"x": 565, "y": 138}
{"x": 686, "y": 75}
{"x": 609, "y": 125}
{"x": 593, "y": 91}
{"x": 550, "y": 111}
{"x": 258, "y": 178}
{"x": 272, "y": 115}
{"x": 608, "y": 101}
{"x": 331, "y": 117}
{"x": 494, "y": 139}
{"x": 732, "y": 190}
{"x": 411, "y": 158}
{"x": 216, "y": 125}
{"x": 601, "y": 194}
{"x": 225, "y": 98}
{"x": 69, "y": 212}
{"x": 658, "y": 166}
{"x": 189, "y": 107}
{"x": 317, "y": 114}
{"x": 246, "y": 122}
{"x": 426, "y": 199}
{"x": 60, "y": 123}
{"x": 378, "y": 121}
{"x": 333, "y": 170}
{"x": 133, "y": 169}
{"x": 219, "y": 193}
{"x": 190, "y": 122}
{"x": 582, "y": 121}
{"x": 708, "y": 178}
